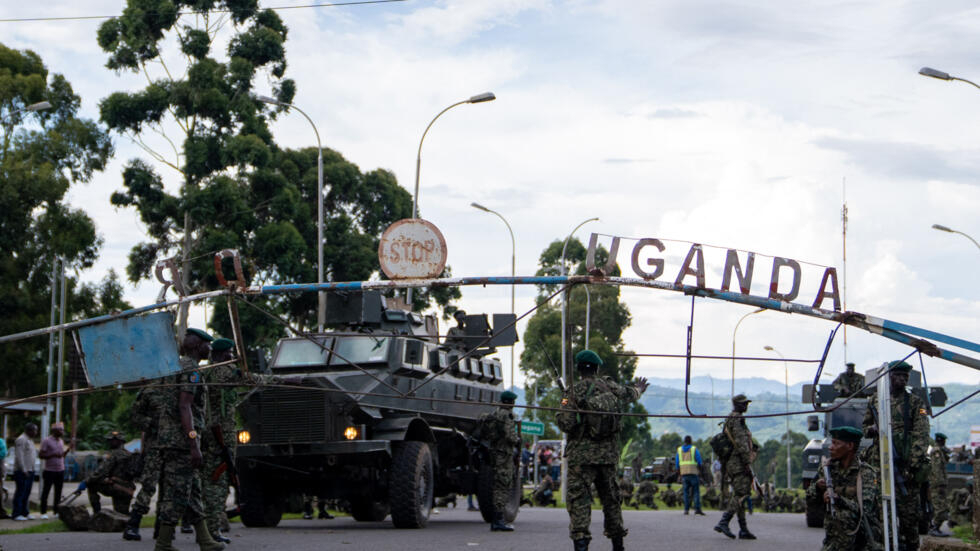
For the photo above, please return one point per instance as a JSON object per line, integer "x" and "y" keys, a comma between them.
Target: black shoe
{"x": 132, "y": 531}
{"x": 937, "y": 533}
{"x": 325, "y": 515}
{"x": 618, "y": 544}
{"x": 307, "y": 516}
{"x": 498, "y": 524}
{"x": 685, "y": 512}
{"x": 722, "y": 526}
{"x": 699, "y": 512}
{"x": 743, "y": 531}
{"x": 219, "y": 537}
{"x": 581, "y": 545}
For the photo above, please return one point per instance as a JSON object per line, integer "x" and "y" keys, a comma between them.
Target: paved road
{"x": 459, "y": 529}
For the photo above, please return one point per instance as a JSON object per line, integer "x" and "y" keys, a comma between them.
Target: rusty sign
{"x": 412, "y": 248}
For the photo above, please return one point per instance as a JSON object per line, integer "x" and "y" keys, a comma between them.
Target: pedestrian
{"x": 910, "y": 443}
{"x": 939, "y": 486}
{"x": 181, "y": 458}
{"x": 149, "y": 406}
{"x": 25, "y": 455}
{"x": 113, "y": 477}
{"x": 591, "y": 417}
{"x": 854, "y": 504}
{"x": 3, "y": 476}
{"x": 716, "y": 472}
{"x": 526, "y": 459}
{"x": 689, "y": 462}
{"x": 53, "y": 452}
{"x": 499, "y": 428}
{"x": 738, "y": 469}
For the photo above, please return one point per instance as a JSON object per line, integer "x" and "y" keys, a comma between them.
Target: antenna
{"x": 843, "y": 219}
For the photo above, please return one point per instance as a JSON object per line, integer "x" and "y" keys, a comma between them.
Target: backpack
{"x": 605, "y": 423}
{"x": 721, "y": 445}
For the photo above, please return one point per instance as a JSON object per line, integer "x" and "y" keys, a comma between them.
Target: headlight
{"x": 351, "y": 433}
{"x": 813, "y": 459}
{"x": 244, "y": 437}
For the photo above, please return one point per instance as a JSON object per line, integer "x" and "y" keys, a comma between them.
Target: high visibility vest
{"x": 688, "y": 464}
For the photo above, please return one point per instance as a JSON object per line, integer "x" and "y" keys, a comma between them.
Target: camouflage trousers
{"x": 579, "y": 500}
{"x": 120, "y": 498}
{"x": 503, "y": 479}
{"x": 214, "y": 491}
{"x": 843, "y": 533}
{"x": 148, "y": 480}
{"x": 939, "y": 495}
{"x": 740, "y": 486}
{"x": 908, "y": 518}
{"x": 180, "y": 489}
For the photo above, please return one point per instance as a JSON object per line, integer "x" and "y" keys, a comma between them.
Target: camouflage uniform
{"x": 645, "y": 494}
{"x": 738, "y": 464}
{"x": 961, "y": 503}
{"x": 500, "y": 429}
{"x": 848, "y": 383}
{"x": 114, "y": 479}
{"x": 592, "y": 461}
{"x": 220, "y": 407}
{"x": 911, "y": 462}
{"x": 147, "y": 409}
{"x": 939, "y": 485}
{"x": 626, "y": 490}
{"x": 856, "y": 524}
{"x": 180, "y": 490}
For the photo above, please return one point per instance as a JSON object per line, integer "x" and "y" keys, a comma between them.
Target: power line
{"x": 302, "y": 6}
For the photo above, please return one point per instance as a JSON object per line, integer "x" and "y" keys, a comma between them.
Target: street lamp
{"x": 940, "y": 227}
{"x": 933, "y": 73}
{"x": 564, "y": 299}
{"x": 479, "y": 98}
{"x": 321, "y": 310}
{"x": 740, "y": 320}
{"x": 789, "y": 462}
{"x": 513, "y": 272}
{"x": 39, "y": 106}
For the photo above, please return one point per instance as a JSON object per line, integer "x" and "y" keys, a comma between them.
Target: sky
{"x": 736, "y": 124}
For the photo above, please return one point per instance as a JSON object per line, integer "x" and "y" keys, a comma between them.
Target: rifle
{"x": 830, "y": 489}
{"x": 227, "y": 464}
{"x": 558, "y": 379}
{"x": 926, "y": 503}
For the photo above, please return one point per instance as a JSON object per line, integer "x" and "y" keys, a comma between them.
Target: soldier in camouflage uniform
{"x": 738, "y": 469}
{"x": 939, "y": 485}
{"x": 854, "y": 524}
{"x": 113, "y": 478}
{"x": 593, "y": 448}
{"x": 179, "y": 440}
{"x": 848, "y": 382}
{"x": 670, "y": 496}
{"x": 626, "y": 490}
{"x": 499, "y": 428}
{"x": 961, "y": 505}
{"x": 221, "y": 401}
{"x": 910, "y": 439}
{"x": 145, "y": 414}
{"x": 646, "y": 494}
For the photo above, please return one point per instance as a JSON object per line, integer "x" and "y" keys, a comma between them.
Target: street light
{"x": 740, "y": 320}
{"x": 321, "y": 310}
{"x": 39, "y": 106}
{"x": 564, "y": 299}
{"x": 479, "y": 98}
{"x": 789, "y": 462}
{"x": 933, "y": 73}
{"x": 513, "y": 272}
{"x": 940, "y": 227}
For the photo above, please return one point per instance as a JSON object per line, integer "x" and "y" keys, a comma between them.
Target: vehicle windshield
{"x": 301, "y": 353}
{"x": 360, "y": 350}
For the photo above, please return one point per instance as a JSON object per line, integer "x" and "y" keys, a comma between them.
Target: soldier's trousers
{"x": 740, "y": 485}
{"x": 503, "y": 479}
{"x": 149, "y": 479}
{"x": 579, "y": 500}
{"x": 120, "y": 499}
{"x": 180, "y": 489}
{"x": 939, "y": 496}
{"x": 214, "y": 492}
{"x": 908, "y": 518}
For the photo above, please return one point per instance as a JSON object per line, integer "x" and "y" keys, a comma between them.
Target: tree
{"x": 608, "y": 319}
{"x": 42, "y": 154}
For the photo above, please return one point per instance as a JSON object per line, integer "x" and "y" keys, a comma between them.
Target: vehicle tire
{"x": 814, "y": 516}
{"x": 260, "y": 508}
{"x": 484, "y": 495}
{"x": 366, "y": 510}
{"x": 410, "y": 485}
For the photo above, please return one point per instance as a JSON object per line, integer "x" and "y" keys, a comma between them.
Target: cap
{"x": 587, "y": 357}
{"x": 115, "y": 435}
{"x": 222, "y": 344}
{"x": 202, "y": 334}
{"x": 508, "y": 397}
{"x": 940, "y": 436}
{"x": 847, "y": 434}
{"x": 899, "y": 366}
{"x": 741, "y": 399}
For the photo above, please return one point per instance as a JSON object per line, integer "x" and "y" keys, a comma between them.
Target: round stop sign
{"x": 412, "y": 249}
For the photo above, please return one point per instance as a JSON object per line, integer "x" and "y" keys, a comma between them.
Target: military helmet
{"x": 508, "y": 397}
{"x": 847, "y": 434}
{"x": 587, "y": 358}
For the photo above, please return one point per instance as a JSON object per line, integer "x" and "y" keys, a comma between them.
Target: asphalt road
{"x": 458, "y": 529}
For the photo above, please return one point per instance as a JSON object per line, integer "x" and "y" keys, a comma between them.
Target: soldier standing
{"x": 593, "y": 448}
{"x": 939, "y": 485}
{"x": 910, "y": 442}
{"x": 500, "y": 429}
{"x": 147, "y": 409}
{"x": 113, "y": 478}
{"x": 738, "y": 469}
{"x": 852, "y": 495}
{"x": 848, "y": 382}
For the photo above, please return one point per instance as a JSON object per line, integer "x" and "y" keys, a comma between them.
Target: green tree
{"x": 42, "y": 154}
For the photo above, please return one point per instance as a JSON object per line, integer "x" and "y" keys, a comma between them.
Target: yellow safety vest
{"x": 688, "y": 464}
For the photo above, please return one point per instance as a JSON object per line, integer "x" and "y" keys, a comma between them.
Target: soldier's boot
{"x": 934, "y": 531}
{"x": 96, "y": 506}
{"x": 699, "y": 512}
{"x": 219, "y": 537}
{"x": 617, "y": 544}
{"x": 498, "y": 524}
{"x": 165, "y": 538}
{"x": 204, "y": 540}
{"x": 743, "y": 530}
{"x": 132, "y": 531}
{"x": 722, "y": 526}
{"x": 581, "y": 544}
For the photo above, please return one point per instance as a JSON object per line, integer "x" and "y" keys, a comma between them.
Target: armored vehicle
{"x": 378, "y": 413}
{"x": 850, "y": 413}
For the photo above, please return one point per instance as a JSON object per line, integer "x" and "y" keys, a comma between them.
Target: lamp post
{"x": 734, "y": 332}
{"x": 479, "y": 98}
{"x": 513, "y": 272}
{"x": 940, "y": 227}
{"x": 39, "y": 106}
{"x": 321, "y": 309}
{"x": 564, "y": 299}
{"x": 933, "y": 73}
{"x": 789, "y": 462}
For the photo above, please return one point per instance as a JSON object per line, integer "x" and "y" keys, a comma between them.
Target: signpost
{"x": 532, "y": 428}
{"x": 412, "y": 248}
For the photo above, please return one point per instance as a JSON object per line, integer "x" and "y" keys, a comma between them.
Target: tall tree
{"x": 42, "y": 153}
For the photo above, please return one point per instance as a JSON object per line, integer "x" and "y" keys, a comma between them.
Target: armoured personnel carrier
{"x": 380, "y": 413}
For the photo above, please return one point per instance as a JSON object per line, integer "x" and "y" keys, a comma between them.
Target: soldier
{"x": 738, "y": 469}
{"x": 544, "y": 493}
{"x": 670, "y": 496}
{"x": 961, "y": 505}
{"x": 711, "y": 497}
{"x": 147, "y": 409}
{"x": 179, "y": 440}
{"x": 938, "y": 486}
{"x": 593, "y": 447}
{"x": 848, "y": 382}
{"x": 626, "y": 490}
{"x": 910, "y": 442}
{"x": 854, "y": 500}
{"x": 114, "y": 477}
{"x": 500, "y": 430}
{"x": 646, "y": 493}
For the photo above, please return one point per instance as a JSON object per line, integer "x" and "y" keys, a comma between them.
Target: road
{"x": 458, "y": 529}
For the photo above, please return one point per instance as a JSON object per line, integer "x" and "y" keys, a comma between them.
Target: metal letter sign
{"x": 129, "y": 349}
{"x": 412, "y": 248}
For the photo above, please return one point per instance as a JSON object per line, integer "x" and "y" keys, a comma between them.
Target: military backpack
{"x": 605, "y": 422}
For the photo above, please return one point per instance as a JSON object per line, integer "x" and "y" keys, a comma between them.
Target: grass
{"x": 42, "y": 528}
{"x": 964, "y": 532}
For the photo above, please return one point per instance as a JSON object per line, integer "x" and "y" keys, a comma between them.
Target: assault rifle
{"x": 227, "y": 465}
{"x": 558, "y": 379}
{"x": 830, "y": 490}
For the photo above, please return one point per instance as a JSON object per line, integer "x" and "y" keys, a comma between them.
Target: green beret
{"x": 115, "y": 435}
{"x": 941, "y": 436}
{"x": 847, "y": 434}
{"x": 741, "y": 399}
{"x": 508, "y": 397}
{"x": 899, "y": 366}
{"x": 222, "y": 344}
{"x": 202, "y": 334}
{"x": 587, "y": 357}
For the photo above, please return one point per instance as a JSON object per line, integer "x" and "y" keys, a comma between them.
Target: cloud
{"x": 673, "y": 113}
{"x": 906, "y": 161}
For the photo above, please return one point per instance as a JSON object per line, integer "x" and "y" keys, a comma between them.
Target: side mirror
{"x": 812, "y": 423}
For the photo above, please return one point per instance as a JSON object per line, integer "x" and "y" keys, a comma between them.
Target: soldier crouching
{"x": 113, "y": 478}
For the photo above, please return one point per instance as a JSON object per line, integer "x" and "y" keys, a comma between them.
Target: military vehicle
{"x": 850, "y": 413}
{"x": 380, "y": 414}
